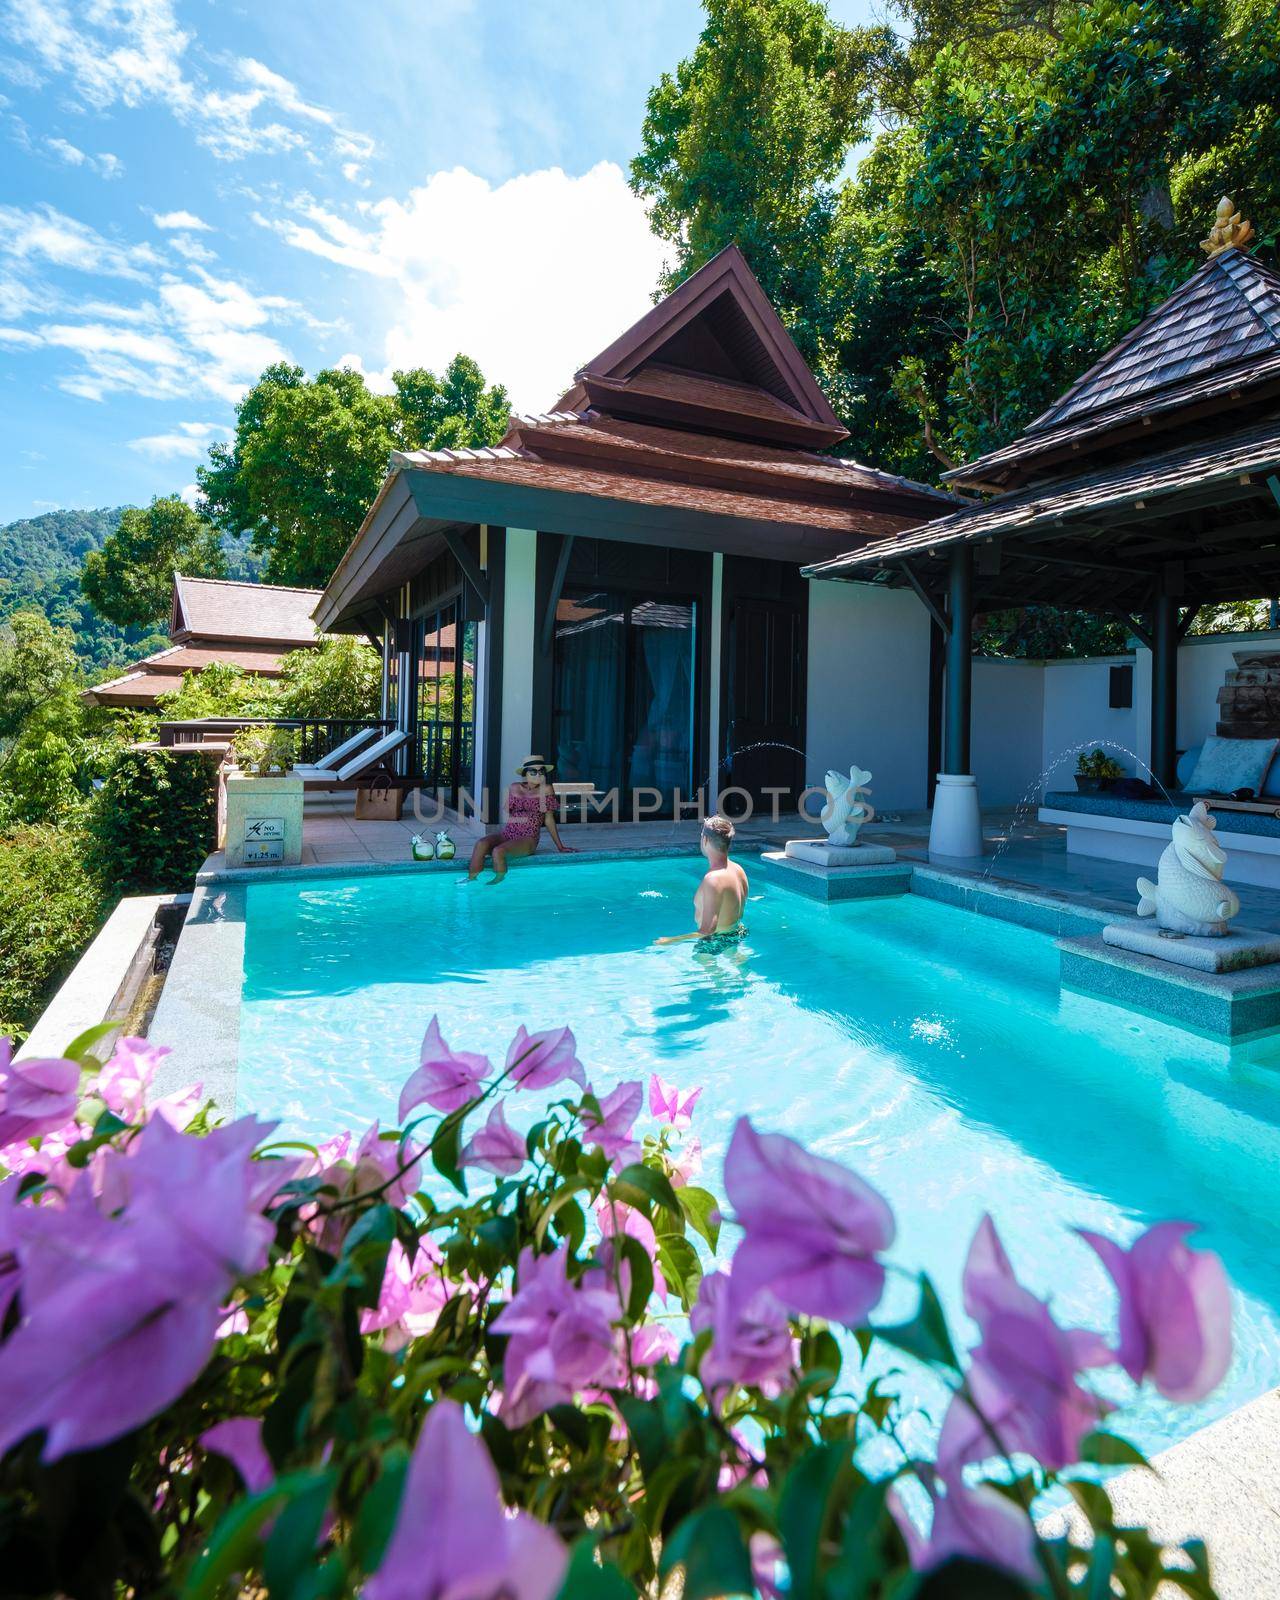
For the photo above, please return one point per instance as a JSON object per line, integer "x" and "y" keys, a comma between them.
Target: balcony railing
{"x": 316, "y": 735}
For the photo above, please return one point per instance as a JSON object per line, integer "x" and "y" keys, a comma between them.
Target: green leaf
{"x": 646, "y": 1426}
{"x": 1110, "y": 1450}
{"x": 702, "y": 1212}
{"x": 925, "y": 1335}
{"x": 290, "y": 1554}
{"x": 589, "y": 1579}
{"x": 637, "y": 1259}
{"x": 80, "y": 1046}
{"x": 1093, "y": 1500}
{"x": 680, "y": 1267}
{"x": 820, "y": 1360}
{"x": 561, "y": 1197}
{"x": 709, "y": 1547}
{"x": 641, "y": 1186}
{"x": 233, "y": 1546}
{"x": 963, "y": 1579}
{"x": 1102, "y": 1566}
{"x": 805, "y": 1508}
{"x": 379, "y": 1504}
{"x": 445, "y": 1145}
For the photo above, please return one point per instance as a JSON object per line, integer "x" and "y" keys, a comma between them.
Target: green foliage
{"x": 37, "y": 661}
{"x": 154, "y": 820}
{"x": 130, "y": 579}
{"x": 264, "y": 750}
{"x": 221, "y": 689}
{"x": 341, "y": 678}
{"x": 308, "y": 457}
{"x": 50, "y": 907}
{"x": 1098, "y": 764}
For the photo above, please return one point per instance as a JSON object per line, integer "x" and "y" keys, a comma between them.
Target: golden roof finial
{"x": 1227, "y": 230}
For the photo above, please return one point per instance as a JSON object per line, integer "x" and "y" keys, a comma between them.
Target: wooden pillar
{"x": 1164, "y": 686}
{"x": 958, "y": 705}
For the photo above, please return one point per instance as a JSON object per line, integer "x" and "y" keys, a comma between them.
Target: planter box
{"x": 261, "y": 820}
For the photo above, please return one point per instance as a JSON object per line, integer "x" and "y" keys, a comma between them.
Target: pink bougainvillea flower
{"x": 36, "y": 1096}
{"x": 560, "y": 1336}
{"x": 540, "y": 1060}
{"x": 495, "y": 1147}
{"x": 10, "y": 1268}
{"x": 453, "y": 1538}
{"x": 1023, "y": 1373}
{"x": 686, "y": 1164}
{"x": 611, "y": 1130}
{"x": 391, "y": 1162}
{"x": 614, "y": 1217}
{"x": 978, "y": 1523}
{"x": 105, "y": 1346}
{"x": 180, "y": 1107}
{"x": 239, "y": 1439}
{"x": 1175, "y": 1310}
{"x": 412, "y": 1296}
{"x": 446, "y": 1079}
{"x": 124, "y": 1081}
{"x": 767, "y": 1566}
{"x": 671, "y": 1104}
{"x": 751, "y": 1340}
{"x": 812, "y": 1228}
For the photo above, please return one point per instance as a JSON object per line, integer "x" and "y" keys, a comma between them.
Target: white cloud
{"x": 191, "y": 249}
{"x": 190, "y": 494}
{"x": 67, "y": 152}
{"x": 105, "y": 165}
{"x": 132, "y": 52}
{"x": 494, "y": 271}
{"x": 45, "y": 234}
{"x": 186, "y": 220}
{"x": 185, "y": 442}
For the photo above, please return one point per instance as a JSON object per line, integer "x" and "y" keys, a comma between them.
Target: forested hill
{"x": 40, "y": 560}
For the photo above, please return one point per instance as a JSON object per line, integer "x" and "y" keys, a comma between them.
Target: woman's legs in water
{"x": 481, "y": 851}
{"x": 510, "y": 850}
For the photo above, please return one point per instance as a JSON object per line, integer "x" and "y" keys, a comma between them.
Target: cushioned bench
{"x": 1116, "y": 829}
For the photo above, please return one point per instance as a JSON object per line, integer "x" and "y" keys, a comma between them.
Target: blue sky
{"x": 193, "y": 189}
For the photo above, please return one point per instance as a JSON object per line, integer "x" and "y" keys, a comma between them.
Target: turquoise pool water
{"x": 926, "y": 1047}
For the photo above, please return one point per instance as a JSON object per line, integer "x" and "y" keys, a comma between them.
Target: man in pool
{"x": 718, "y": 903}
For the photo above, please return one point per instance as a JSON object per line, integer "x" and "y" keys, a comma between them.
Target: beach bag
{"x": 379, "y": 801}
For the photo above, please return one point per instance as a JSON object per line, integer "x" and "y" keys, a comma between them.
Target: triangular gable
{"x": 1226, "y": 313}
{"x": 719, "y": 329}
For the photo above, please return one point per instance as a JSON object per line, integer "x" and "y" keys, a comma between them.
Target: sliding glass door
{"x": 445, "y": 713}
{"x": 624, "y": 694}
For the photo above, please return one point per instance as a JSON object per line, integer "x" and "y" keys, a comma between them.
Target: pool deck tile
{"x": 198, "y": 1015}
{"x": 1225, "y": 1005}
{"x": 853, "y": 883}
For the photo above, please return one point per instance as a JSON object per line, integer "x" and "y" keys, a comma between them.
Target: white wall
{"x": 518, "y": 625}
{"x": 1077, "y": 712}
{"x": 1007, "y": 731}
{"x": 869, "y": 689}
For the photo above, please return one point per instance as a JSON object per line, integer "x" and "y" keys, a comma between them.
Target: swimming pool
{"x": 926, "y": 1047}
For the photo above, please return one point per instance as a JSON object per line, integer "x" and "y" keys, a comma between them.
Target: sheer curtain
{"x": 590, "y": 676}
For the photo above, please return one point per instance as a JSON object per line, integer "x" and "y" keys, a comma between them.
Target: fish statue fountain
{"x": 1189, "y": 895}
{"x": 846, "y": 811}
{"x": 445, "y": 847}
{"x": 423, "y": 849}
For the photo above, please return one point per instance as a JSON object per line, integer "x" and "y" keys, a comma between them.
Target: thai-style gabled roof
{"x": 712, "y": 355}
{"x": 1216, "y": 338}
{"x": 254, "y": 613}
{"x": 1100, "y": 538}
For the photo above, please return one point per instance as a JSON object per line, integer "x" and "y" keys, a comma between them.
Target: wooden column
{"x": 1164, "y": 686}
{"x": 958, "y": 703}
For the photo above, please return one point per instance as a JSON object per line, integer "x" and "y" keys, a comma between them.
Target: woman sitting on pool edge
{"x": 529, "y": 801}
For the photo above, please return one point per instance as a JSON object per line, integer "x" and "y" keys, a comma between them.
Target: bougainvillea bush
{"x": 453, "y": 1361}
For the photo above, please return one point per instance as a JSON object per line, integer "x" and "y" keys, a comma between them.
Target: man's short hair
{"x": 720, "y": 831}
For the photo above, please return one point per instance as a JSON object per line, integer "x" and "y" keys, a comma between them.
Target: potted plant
{"x": 259, "y": 752}
{"x": 260, "y": 803}
{"x": 1096, "y": 771}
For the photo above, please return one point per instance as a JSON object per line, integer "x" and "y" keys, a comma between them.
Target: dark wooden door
{"x": 765, "y": 704}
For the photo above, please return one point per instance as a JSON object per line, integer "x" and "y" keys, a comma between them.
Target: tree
{"x": 308, "y": 457}
{"x": 130, "y": 580}
{"x": 37, "y": 661}
{"x": 745, "y": 142}
{"x": 340, "y": 679}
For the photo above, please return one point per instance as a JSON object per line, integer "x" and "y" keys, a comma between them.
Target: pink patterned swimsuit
{"x": 526, "y": 810}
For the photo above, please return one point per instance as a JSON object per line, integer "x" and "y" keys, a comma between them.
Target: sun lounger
{"x": 327, "y": 766}
{"x": 361, "y": 767}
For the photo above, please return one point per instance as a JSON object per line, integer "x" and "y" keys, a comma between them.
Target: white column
{"x": 519, "y": 628}
{"x": 715, "y": 627}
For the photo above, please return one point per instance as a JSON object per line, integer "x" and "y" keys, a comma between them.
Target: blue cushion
{"x": 1226, "y": 765}
{"x": 1187, "y": 765}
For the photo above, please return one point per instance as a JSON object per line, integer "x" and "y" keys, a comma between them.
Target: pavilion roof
{"x": 1215, "y": 340}
{"x": 252, "y": 613}
{"x": 1102, "y": 537}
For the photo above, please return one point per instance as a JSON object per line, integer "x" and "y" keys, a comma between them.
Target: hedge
{"x": 50, "y": 907}
{"x": 155, "y": 821}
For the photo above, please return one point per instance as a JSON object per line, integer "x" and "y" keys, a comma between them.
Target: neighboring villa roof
{"x": 1214, "y": 341}
{"x": 216, "y": 619}
{"x": 699, "y": 428}
{"x": 259, "y": 613}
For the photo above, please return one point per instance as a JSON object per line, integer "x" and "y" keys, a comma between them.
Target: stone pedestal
{"x": 262, "y": 820}
{"x": 1232, "y": 952}
{"x": 956, "y": 827}
{"x": 825, "y": 854}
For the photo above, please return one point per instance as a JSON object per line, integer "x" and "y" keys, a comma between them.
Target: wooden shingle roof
{"x": 1213, "y": 338}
